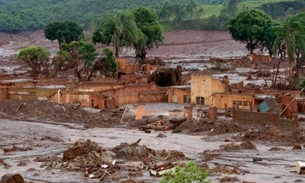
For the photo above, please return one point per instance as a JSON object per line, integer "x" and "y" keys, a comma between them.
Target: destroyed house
{"x": 203, "y": 87}
{"x": 179, "y": 94}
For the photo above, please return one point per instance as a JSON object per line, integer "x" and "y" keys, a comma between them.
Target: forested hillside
{"x": 18, "y": 15}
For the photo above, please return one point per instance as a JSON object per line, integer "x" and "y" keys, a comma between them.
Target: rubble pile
{"x": 89, "y": 157}
{"x": 162, "y": 125}
{"x": 213, "y": 128}
{"x": 96, "y": 162}
{"x": 223, "y": 169}
{"x": 12, "y": 178}
{"x": 136, "y": 152}
{"x": 37, "y": 110}
{"x": 272, "y": 134}
{"x": 167, "y": 76}
{"x": 242, "y": 146}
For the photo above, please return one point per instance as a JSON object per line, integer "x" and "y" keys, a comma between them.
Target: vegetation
{"x": 190, "y": 173}
{"x": 18, "y": 15}
{"x": 37, "y": 59}
{"x": 63, "y": 32}
{"x": 257, "y": 30}
{"x": 290, "y": 39}
{"x": 150, "y": 32}
{"x": 82, "y": 58}
{"x": 121, "y": 30}
{"x": 107, "y": 64}
{"x": 250, "y": 27}
{"x": 278, "y": 9}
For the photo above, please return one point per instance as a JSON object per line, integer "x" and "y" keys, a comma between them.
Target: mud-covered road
{"x": 40, "y": 140}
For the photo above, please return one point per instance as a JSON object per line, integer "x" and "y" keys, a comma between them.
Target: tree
{"x": 62, "y": 62}
{"x": 229, "y": 10}
{"x": 190, "y": 173}
{"x": 37, "y": 58}
{"x": 121, "y": 30}
{"x": 250, "y": 27}
{"x": 290, "y": 33}
{"x": 107, "y": 64}
{"x": 82, "y": 59}
{"x": 150, "y": 32}
{"x": 63, "y": 32}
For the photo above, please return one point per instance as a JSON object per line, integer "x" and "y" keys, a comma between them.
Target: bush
{"x": 190, "y": 173}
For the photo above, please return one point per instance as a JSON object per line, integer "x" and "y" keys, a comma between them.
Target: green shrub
{"x": 190, "y": 173}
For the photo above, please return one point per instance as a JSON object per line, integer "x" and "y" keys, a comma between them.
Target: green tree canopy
{"x": 121, "y": 30}
{"x": 107, "y": 65}
{"x": 250, "y": 27}
{"x": 63, "y": 32}
{"x": 37, "y": 58}
{"x": 290, "y": 35}
{"x": 150, "y": 32}
{"x": 82, "y": 59}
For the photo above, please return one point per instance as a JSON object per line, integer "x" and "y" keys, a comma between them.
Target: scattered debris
{"x": 136, "y": 152}
{"x": 161, "y": 125}
{"x": 161, "y": 135}
{"x": 276, "y": 149}
{"x": 257, "y": 159}
{"x": 161, "y": 169}
{"x": 16, "y": 148}
{"x": 40, "y": 110}
{"x": 233, "y": 146}
{"x": 223, "y": 169}
{"x": 300, "y": 167}
{"x": 227, "y": 179}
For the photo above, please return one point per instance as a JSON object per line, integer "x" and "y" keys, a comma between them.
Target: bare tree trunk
{"x": 274, "y": 79}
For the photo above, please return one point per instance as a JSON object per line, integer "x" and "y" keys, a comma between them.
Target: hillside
{"x": 18, "y": 15}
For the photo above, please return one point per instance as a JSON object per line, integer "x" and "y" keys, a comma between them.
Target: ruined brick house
{"x": 132, "y": 67}
{"x": 209, "y": 91}
{"x": 204, "y": 86}
{"x": 179, "y": 94}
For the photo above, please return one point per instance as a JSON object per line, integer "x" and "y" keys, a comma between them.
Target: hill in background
{"x": 18, "y": 15}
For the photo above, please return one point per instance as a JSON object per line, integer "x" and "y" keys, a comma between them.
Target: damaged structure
{"x": 202, "y": 98}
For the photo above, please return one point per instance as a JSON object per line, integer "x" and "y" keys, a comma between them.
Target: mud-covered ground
{"x": 47, "y": 142}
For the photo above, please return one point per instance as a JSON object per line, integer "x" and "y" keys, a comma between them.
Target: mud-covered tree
{"x": 167, "y": 76}
{"x": 250, "y": 27}
{"x": 150, "y": 33}
{"x": 62, "y": 62}
{"x": 82, "y": 58}
{"x": 63, "y": 32}
{"x": 121, "y": 30}
{"x": 37, "y": 58}
{"x": 290, "y": 33}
